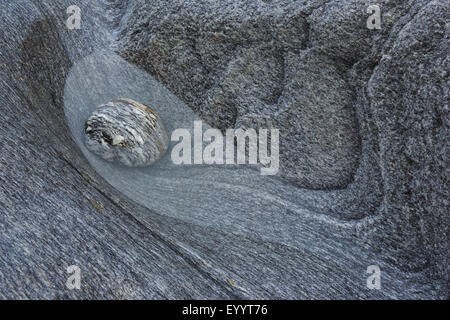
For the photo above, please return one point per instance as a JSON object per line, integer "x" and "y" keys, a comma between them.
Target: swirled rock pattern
{"x": 127, "y": 132}
{"x": 375, "y": 190}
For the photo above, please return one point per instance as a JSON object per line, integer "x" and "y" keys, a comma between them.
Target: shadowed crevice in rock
{"x": 43, "y": 83}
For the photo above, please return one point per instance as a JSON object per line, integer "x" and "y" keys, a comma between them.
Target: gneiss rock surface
{"x": 389, "y": 209}
{"x": 364, "y": 111}
{"x": 127, "y": 132}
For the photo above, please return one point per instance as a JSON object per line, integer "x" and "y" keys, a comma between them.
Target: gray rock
{"x": 126, "y": 131}
{"x": 238, "y": 70}
{"x": 370, "y": 104}
{"x": 380, "y": 199}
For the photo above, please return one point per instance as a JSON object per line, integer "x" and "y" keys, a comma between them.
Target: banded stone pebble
{"x": 127, "y": 132}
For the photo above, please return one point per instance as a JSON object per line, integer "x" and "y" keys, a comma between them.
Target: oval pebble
{"x": 127, "y": 132}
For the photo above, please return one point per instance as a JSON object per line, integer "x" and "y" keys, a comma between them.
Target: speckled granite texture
{"x": 363, "y": 117}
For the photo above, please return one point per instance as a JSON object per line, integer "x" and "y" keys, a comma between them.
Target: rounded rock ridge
{"x": 126, "y": 132}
